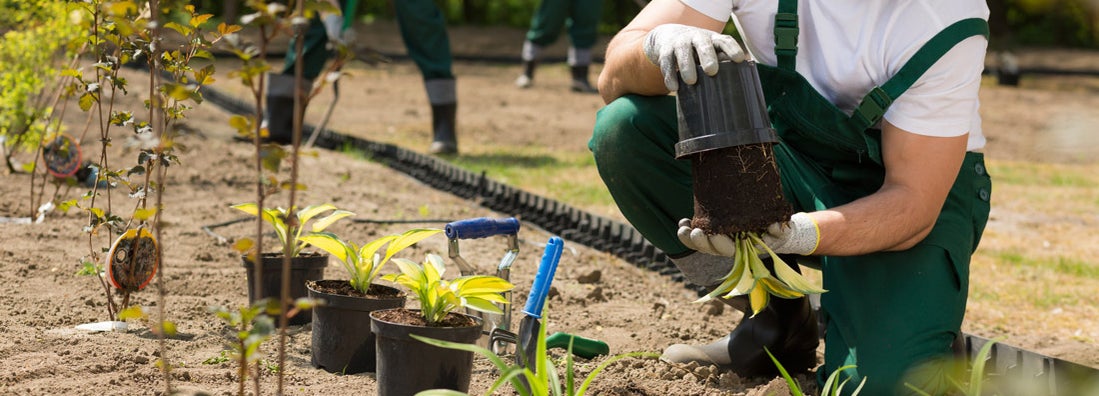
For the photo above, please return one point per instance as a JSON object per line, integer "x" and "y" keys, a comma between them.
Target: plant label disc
{"x": 62, "y": 156}
{"x": 133, "y": 260}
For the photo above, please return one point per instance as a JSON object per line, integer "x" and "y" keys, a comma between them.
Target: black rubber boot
{"x": 526, "y": 80}
{"x": 445, "y": 140}
{"x": 279, "y": 112}
{"x": 580, "y": 80}
{"x": 788, "y": 328}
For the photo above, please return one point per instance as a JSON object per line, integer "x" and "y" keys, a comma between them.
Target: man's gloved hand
{"x": 800, "y": 236}
{"x": 675, "y": 47}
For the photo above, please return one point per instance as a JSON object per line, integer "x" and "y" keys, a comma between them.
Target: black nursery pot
{"x": 407, "y": 365}
{"x": 725, "y": 110}
{"x": 342, "y": 338}
{"x": 303, "y": 268}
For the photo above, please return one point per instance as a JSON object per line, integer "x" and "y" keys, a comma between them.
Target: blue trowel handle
{"x": 481, "y": 227}
{"x": 542, "y": 280}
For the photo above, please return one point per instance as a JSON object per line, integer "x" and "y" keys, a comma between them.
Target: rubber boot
{"x": 580, "y": 80}
{"x": 445, "y": 139}
{"x": 530, "y": 61}
{"x": 579, "y": 59}
{"x": 526, "y": 80}
{"x": 788, "y": 328}
{"x": 278, "y": 116}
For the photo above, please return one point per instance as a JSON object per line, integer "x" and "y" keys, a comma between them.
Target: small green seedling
{"x": 543, "y": 381}
{"x": 289, "y": 224}
{"x": 831, "y": 385}
{"x": 250, "y": 329}
{"x": 439, "y": 297}
{"x": 364, "y": 264}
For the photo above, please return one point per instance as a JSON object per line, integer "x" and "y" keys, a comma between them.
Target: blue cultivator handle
{"x": 482, "y": 227}
{"x": 540, "y": 288}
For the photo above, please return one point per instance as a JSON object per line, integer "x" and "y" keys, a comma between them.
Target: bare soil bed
{"x": 595, "y": 294}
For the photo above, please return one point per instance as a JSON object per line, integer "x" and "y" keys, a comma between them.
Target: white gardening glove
{"x": 800, "y": 236}
{"x": 675, "y": 48}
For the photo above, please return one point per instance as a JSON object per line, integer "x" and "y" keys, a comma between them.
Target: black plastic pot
{"x": 303, "y": 268}
{"x": 725, "y": 110}
{"x": 407, "y": 366}
{"x": 342, "y": 339}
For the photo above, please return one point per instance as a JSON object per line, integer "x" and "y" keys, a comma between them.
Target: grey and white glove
{"x": 800, "y": 235}
{"x": 674, "y": 48}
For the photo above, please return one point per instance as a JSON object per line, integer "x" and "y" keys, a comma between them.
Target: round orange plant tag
{"x": 133, "y": 260}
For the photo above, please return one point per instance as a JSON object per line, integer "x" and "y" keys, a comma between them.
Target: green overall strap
{"x": 786, "y": 34}
{"x": 874, "y": 104}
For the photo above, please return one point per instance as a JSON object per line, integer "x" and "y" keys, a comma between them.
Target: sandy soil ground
{"x": 629, "y": 308}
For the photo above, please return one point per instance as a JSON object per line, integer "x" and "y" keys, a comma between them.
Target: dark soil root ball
{"x": 737, "y": 189}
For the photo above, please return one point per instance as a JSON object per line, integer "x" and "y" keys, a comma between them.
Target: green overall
{"x": 889, "y": 311}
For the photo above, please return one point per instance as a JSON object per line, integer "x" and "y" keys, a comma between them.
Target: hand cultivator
{"x": 498, "y": 327}
{"x": 484, "y": 227}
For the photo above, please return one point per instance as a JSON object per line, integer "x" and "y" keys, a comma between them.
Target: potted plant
{"x": 304, "y": 266}
{"x": 406, "y": 365}
{"x": 342, "y": 340}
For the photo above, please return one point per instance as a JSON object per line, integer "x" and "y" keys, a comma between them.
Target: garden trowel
{"x": 531, "y": 324}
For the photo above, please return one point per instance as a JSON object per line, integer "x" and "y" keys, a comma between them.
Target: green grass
{"x": 568, "y": 177}
{"x": 1060, "y": 264}
{"x": 1042, "y": 175}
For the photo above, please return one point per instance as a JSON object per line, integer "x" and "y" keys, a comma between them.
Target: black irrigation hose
{"x": 623, "y": 240}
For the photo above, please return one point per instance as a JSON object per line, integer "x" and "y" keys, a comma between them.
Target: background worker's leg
{"x": 583, "y": 24}
{"x": 279, "y": 113}
{"x": 423, "y": 29}
{"x": 545, "y": 28}
{"x": 634, "y": 147}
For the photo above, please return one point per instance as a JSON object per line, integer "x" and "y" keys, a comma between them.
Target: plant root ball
{"x": 737, "y": 189}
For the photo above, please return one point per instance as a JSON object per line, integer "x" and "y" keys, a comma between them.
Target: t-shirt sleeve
{"x": 719, "y": 10}
{"x": 943, "y": 101}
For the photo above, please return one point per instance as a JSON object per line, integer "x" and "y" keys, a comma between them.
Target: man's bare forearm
{"x": 627, "y": 70}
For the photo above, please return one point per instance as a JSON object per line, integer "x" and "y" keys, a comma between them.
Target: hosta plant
{"x": 439, "y": 297}
{"x": 750, "y": 276}
{"x": 363, "y": 264}
{"x": 289, "y": 224}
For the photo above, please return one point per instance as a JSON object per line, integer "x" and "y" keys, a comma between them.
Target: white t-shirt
{"x": 846, "y": 47}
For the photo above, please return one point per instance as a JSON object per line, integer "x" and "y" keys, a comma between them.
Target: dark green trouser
{"x": 423, "y": 30}
{"x": 315, "y": 49}
{"x": 581, "y": 16}
{"x": 888, "y": 311}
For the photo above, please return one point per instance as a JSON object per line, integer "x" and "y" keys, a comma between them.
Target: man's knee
{"x": 630, "y": 123}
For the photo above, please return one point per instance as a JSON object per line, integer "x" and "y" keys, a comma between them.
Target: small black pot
{"x": 725, "y": 110}
{"x": 342, "y": 338}
{"x": 407, "y": 365}
{"x": 303, "y": 268}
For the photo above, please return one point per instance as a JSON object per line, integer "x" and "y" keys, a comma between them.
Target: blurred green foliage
{"x": 1045, "y": 23}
